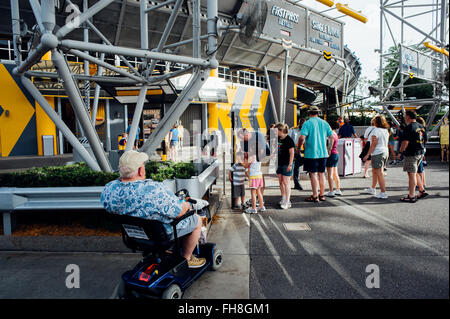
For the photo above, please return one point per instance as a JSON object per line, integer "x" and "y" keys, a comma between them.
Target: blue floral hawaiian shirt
{"x": 145, "y": 199}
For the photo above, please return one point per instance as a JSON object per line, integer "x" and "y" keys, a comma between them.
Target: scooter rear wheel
{"x": 172, "y": 292}
{"x": 122, "y": 291}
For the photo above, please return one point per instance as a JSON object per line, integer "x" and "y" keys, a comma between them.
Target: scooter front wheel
{"x": 172, "y": 292}
{"x": 217, "y": 259}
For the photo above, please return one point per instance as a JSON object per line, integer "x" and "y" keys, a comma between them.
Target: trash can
{"x": 349, "y": 161}
{"x": 48, "y": 145}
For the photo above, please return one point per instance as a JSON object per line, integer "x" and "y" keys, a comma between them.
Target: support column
{"x": 136, "y": 118}
{"x": 281, "y": 95}
{"x": 15, "y": 18}
{"x": 60, "y": 134}
{"x": 108, "y": 126}
{"x": 213, "y": 110}
{"x": 60, "y": 124}
{"x": 272, "y": 100}
{"x": 78, "y": 107}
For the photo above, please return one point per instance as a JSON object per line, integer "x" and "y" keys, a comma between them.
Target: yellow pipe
{"x": 329, "y": 3}
{"x": 351, "y": 12}
{"x": 435, "y": 48}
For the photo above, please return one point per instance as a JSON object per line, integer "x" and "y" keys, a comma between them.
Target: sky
{"x": 363, "y": 39}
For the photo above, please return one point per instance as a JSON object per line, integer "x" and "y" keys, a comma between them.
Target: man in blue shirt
{"x": 347, "y": 130}
{"x": 133, "y": 195}
{"x": 136, "y": 139}
{"x": 315, "y": 133}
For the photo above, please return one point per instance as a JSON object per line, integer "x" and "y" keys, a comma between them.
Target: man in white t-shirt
{"x": 379, "y": 139}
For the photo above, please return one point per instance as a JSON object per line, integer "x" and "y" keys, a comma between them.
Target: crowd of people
{"x": 313, "y": 145}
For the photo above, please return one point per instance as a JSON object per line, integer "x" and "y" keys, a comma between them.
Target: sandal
{"x": 312, "y": 199}
{"x": 422, "y": 194}
{"x": 409, "y": 199}
{"x": 322, "y": 198}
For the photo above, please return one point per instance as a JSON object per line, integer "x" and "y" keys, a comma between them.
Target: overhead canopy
{"x": 312, "y": 34}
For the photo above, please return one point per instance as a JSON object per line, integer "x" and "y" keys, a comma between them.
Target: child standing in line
{"x": 236, "y": 175}
{"x": 255, "y": 178}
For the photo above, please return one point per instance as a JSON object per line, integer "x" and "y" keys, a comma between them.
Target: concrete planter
{"x": 78, "y": 198}
{"x": 198, "y": 185}
{"x": 171, "y": 184}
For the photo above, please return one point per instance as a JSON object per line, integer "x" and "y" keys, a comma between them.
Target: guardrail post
{"x": 9, "y": 223}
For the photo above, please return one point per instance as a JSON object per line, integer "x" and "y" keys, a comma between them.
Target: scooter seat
{"x": 144, "y": 235}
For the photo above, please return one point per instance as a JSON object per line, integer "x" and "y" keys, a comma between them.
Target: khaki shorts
{"x": 380, "y": 160}
{"x": 411, "y": 163}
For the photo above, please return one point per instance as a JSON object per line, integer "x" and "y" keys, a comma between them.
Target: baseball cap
{"x": 133, "y": 160}
{"x": 313, "y": 109}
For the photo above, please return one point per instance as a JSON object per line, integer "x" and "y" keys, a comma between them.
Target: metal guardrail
{"x": 46, "y": 198}
{"x": 73, "y": 198}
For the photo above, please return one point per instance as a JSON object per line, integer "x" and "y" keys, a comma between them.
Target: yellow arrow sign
{"x": 411, "y": 75}
{"x": 327, "y": 55}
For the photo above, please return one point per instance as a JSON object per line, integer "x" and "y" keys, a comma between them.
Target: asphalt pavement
{"x": 354, "y": 246}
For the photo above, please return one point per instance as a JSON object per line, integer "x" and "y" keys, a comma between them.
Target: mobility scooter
{"x": 163, "y": 272}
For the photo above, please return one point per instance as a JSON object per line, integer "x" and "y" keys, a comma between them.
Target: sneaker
{"x": 392, "y": 163}
{"x": 249, "y": 203}
{"x": 286, "y": 205}
{"x": 196, "y": 262}
{"x": 251, "y": 211}
{"x": 330, "y": 194}
{"x": 298, "y": 187}
{"x": 338, "y": 192}
{"x": 382, "y": 196}
{"x": 243, "y": 206}
{"x": 261, "y": 209}
{"x": 371, "y": 191}
{"x": 281, "y": 202}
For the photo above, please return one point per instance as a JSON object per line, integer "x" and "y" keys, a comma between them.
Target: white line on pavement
{"x": 287, "y": 241}
{"x": 330, "y": 260}
{"x": 381, "y": 221}
{"x": 273, "y": 251}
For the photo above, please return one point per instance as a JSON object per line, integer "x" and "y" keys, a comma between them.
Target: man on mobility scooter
{"x": 164, "y": 227}
{"x": 133, "y": 195}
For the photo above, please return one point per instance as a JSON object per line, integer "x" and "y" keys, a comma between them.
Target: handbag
{"x": 366, "y": 147}
{"x": 364, "y": 150}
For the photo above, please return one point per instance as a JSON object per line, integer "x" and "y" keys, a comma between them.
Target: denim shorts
{"x": 282, "y": 170}
{"x": 333, "y": 160}
{"x": 420, "y": 169}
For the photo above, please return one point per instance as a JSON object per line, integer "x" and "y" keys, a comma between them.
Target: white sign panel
{"x": 416, "y": 63}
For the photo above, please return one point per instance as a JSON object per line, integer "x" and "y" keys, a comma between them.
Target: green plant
{"x": 164, "y": 172}
{"x": 184, "y": 170}
{"x": 78, "y": 174}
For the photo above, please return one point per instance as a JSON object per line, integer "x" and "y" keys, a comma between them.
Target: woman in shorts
{"x": 285, "y": 168}
{"x": 332, "y": 163}
{"x": 379, "y": 139}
